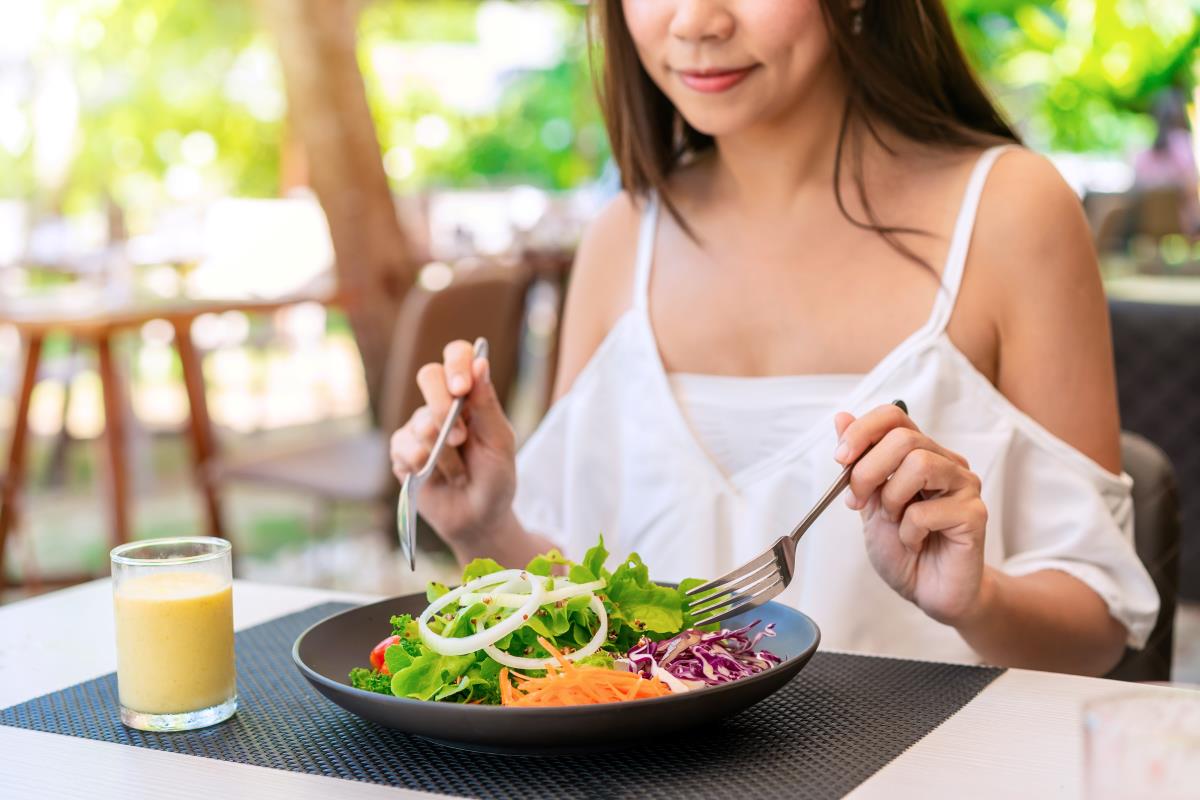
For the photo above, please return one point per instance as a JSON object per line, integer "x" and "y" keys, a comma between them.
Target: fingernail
{"x": 842, "y": 451}
{"x": 486, "y": 376}
{"x": 458, "y": 384}
{"x": 851, "y": 501}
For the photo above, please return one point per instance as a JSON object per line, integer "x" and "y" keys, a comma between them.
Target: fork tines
{"x": 747, "y": 587}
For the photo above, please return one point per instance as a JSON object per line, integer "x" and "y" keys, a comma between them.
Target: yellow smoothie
{"x": 174, "y": 642}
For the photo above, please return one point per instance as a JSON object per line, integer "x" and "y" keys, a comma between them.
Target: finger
{"x": 457, "y": 357}
{"x": 885, "y": 458}
{"x": 450, "y": 466}
{"x": 431, "y": 380}
{"x": 484, "y": 412}
{"x": 397, "y": 448}
{"x": 841, "y": 421}
{"x": 960, "y": 517}
{"x": 408, "y": 456}
{"x": 449, "y": 463}
{"x": 921, "y": 471}
{"x": 868, "y": 429}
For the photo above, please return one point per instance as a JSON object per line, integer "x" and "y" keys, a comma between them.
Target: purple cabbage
{"x": 708, "y": 659}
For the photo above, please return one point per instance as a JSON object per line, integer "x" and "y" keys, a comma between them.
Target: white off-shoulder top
{"x": 616, "y": 455}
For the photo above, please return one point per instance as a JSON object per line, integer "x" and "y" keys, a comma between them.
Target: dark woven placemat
{"x": 841, "y": 720}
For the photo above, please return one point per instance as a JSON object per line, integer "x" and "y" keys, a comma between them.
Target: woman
{"x": 842, "y": 230}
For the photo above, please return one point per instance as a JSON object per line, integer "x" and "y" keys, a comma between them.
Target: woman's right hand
{"x": 473, "y": 485}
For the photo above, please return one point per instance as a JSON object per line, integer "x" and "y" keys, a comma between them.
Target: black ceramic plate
{"x": 326, "y": 652}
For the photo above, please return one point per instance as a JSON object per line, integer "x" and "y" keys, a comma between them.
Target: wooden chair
{"x": 487, "y": 300}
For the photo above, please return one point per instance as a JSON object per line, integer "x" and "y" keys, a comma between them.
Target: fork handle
{"x": 481, "y": 351}
{"x": 837, "y": 488}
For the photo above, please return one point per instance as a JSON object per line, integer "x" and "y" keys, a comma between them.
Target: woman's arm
{"x": 1046, "y": 620}
{"x": 1032, "y": 260}
{"x": 469, "y": 499}
{"x": 1033, "y": 252}
{"x": 1034, "y": 248}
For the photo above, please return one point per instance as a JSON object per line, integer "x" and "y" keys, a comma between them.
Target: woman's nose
{"x": 696, "y": 20}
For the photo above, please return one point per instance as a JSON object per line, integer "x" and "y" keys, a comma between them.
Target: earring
{"x": 856, "y": 23}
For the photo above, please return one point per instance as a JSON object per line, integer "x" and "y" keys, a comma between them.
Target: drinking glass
{"x": 1142, "y": 745}
{"x": 173, "y": 602}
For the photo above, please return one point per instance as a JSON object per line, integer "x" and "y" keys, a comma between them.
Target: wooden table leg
{"x": 203, "y": 441}
{"x": 114, "y": 434}
{"x": 16, "y": 450}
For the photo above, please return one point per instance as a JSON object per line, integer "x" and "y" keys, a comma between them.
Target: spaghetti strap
{"x": 960, "y": 241}
{"x": 645, "y": 252}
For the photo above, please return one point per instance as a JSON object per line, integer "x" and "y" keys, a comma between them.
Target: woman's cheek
{"x": 649, "y": 23}
{"x": 785, "y": 30}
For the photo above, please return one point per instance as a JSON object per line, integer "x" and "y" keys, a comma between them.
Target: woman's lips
{"x": 711, "y": 81}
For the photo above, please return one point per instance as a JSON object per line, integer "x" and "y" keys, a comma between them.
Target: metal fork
{"x": 406, "y": 509}
{"x": 763, "y": 577}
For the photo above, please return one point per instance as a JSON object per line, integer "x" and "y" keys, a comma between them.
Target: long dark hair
{"x": 904, "y": 68}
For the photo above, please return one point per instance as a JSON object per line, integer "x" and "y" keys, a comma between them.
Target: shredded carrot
{"x": 570, "y": 684}
{"x": 506, "y": 692}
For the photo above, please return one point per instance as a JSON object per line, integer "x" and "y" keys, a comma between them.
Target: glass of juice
{"x": 173, "y": 601}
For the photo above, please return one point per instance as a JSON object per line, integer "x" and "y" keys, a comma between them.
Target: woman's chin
{"x": 717, "y": 122}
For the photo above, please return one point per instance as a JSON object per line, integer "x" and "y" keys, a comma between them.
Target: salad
{"x": 531, "y": 637}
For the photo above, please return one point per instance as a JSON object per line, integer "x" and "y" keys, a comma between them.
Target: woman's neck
{"x": 777, "y": 163}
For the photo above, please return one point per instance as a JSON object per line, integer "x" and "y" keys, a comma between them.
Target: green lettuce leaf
{"x": 478, "y": 568}
{"x": 429, "y": 674}
{"x": 544, "y": 564}
{"x": 399, "y": 656}
{"x": 597, "y": 659}
{"x": 642, "y": 604}
{"x": 594, "y": 558}
{"x": 464, "y": 620}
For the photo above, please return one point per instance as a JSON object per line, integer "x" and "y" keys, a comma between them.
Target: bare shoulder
{"x": 1032, "y": 257}
{"x": 1029, "y": 217}
{"x": 601, "y": 285}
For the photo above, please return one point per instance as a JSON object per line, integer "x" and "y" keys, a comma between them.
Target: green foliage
{"x": 1081, "y": 75}
{"x": 1073, "y": 74}
{"x": 150, "y": 73}
{"x": 545, "y": 128}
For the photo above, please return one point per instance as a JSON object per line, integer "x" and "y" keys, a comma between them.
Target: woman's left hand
{"x": 923, "y": 516}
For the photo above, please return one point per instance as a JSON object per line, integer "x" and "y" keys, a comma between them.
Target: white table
{"x": 1021, "y": 737}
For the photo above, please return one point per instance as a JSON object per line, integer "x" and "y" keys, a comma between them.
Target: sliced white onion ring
{"x": 563, "y": 590}
{"x": 461, "y": 646}
{"x": 519, "y": 662}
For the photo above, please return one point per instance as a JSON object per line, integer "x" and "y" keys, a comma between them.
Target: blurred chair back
{"x": 1158, "y": 381}
{"x": 486, "y": 300}
{"x": 1156, "y": 535}
{"x": 1158, "y": 212}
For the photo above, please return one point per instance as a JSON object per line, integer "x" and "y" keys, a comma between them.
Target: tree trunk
{"x": 328, "y": 114}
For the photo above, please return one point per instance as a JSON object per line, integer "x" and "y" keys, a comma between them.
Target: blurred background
{"x": 230, "y": 231}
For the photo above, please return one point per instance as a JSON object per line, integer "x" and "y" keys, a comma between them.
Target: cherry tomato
{"x": 377, "y": 661}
